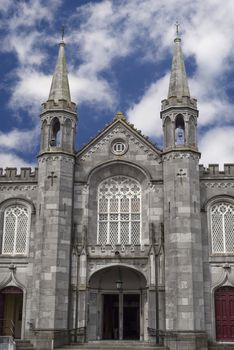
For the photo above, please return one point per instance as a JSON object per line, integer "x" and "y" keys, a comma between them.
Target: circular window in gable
{"x": 118, "y": 147}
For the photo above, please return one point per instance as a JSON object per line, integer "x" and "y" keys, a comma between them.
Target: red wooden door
{"x": 224, "y": 314}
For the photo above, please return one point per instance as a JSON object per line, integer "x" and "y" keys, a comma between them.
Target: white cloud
{"x": 146, "y": 114}
{"x": 5, "y": 5}
{"x": 92, "y": 90}
{"x": 31, "y": 89}
{"x": 106, "y": 31}
{"x": 24, "y": 45}
{"x": 217, "y": 146}
{"x": 20, "y": 140}
{"x": 10, "y": 160}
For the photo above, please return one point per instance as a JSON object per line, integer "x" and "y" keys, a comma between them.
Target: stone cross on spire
{"x": 60, "y": 86}
{"x": 177, "y": 24}
{"x": 178, "y": 86}
{"x": 62, "y": 32}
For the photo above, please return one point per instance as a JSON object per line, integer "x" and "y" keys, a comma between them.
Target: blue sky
{"x": 119, "y": 56}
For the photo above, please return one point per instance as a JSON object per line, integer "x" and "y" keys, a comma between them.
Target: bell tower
{"x": 54, "y": 220}
{"x": 183, "y": 242}
{"x": 58, "y": 115}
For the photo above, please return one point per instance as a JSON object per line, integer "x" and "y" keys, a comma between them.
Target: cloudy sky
{"x": 119, "y": 57}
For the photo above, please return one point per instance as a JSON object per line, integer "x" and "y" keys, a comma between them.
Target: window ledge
{"x": 222, "y": 258}
{"x": 9, "y": 259}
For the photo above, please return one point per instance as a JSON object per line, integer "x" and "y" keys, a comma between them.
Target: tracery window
{"x": 16, "y": 230}
{"x": 222, "y": 227}
{"x": 119, "y": 211}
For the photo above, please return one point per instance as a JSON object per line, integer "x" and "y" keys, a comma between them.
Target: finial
{"x": 119, "y": 115}
{"x": 62, "y": 31}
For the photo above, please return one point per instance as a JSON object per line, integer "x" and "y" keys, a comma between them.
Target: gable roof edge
{"x": 129, "y": 126}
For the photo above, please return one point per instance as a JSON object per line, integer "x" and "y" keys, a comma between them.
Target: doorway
{"x": 11, "y": 305}
{"x": 121, "y": 316}
{"x": 116, "y": 304}
{"x": 110, "y": 316}
{"x": 224, "y": 314}
{"x": 131, "y": 317}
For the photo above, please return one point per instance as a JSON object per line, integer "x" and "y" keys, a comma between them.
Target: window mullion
{"x": 130, "y": 221}
{"x": 15, "y": 235}
{"x": 224, "y": 238}
{"x": 98, "y": 216}
{"x": 108, "y": 222}
{"x": 119, "y": 222}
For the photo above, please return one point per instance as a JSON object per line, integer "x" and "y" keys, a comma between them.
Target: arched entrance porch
{"x": 116, "y": 302}
{"x": 11, "y": 304}
{"x": 224, "y": 314}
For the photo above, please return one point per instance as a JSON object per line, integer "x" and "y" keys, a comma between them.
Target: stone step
{"x": 221, "y": 347}
{"x": 23, "y": 345}
{"x": 114, "y": 345}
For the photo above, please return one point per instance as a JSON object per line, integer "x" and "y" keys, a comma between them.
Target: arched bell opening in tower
{"x": 168, "y": 133}
{"x": 67, "y": 135}
{"x": 179, "y": 130}
{"x": 55, "y": 134}
{"x": 192, "y": 130}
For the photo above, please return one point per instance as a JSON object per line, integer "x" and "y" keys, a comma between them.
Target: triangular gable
{"x": 119, "y": 124}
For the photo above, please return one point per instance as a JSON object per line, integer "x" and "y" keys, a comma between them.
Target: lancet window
{"x": 222, "y": 227}
{"x": 119, "y": 211}
{"x": 16, "y": 230}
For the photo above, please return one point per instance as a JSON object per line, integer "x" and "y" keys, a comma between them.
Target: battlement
{"x": 58, "y": 105}
{"x": 24, "y": 175}
{"x": 213, "y": 170}
{"x": 179, "y": 102}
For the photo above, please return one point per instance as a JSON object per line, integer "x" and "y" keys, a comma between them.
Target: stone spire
{"x": 60, "y": 86}
{"x": 178, "y": 86}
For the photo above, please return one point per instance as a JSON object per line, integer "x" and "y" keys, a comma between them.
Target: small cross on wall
{"x": 52, "y": 177}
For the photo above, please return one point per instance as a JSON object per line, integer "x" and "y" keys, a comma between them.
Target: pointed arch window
{"x": 222, "y": 227}
{"x": 16, "y": 230}
{"x": 119, "y": 211}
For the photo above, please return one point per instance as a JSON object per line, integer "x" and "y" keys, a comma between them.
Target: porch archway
{"x": 115, "y": 304}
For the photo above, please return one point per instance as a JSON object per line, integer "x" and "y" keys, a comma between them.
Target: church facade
{"x": 120, "y": 240}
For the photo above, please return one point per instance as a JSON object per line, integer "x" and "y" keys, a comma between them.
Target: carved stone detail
{"x": 181, "y": 155}
{"x": 110, "y": 135}
{"x": 219, "y": 185}
{"x": 51, "y": 158}
{"x": 83, "y": 188}
{"x": 18, "y": 188}
{"x": 154, "y": 187}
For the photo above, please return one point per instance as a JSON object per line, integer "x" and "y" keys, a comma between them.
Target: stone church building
{"x": 120, "y": 240}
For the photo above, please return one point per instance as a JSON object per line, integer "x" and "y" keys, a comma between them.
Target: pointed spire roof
{"x": 178, "y": 86}
{"x": 60, "y": 86}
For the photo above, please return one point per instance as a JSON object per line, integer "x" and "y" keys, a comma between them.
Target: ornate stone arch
{"x": 223, "y": 278}
{"x": 67, "y": 134}
{"x": 119, "y": 265}
{"x": 9, "y": 205}
{"x": 11, "y": 280}
{"x": 220, "y": 219}
{"x": 119, "y": 211}
{"x": 108, "y": 170}
{"x": 168, "y": 132}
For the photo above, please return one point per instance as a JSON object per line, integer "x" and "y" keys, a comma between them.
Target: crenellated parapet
{"x": 52, "y": 105}
{"x": 213, "y": 170}
{"x": 175, "y": 101}
{"x": 24, "y": 175}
